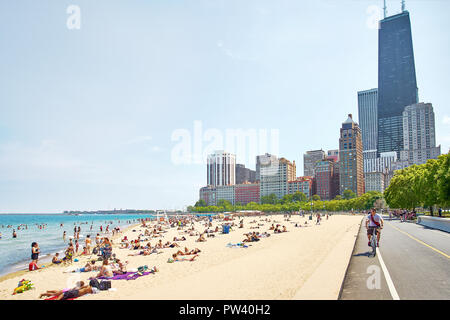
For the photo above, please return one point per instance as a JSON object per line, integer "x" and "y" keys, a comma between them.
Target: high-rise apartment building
{"x": 351, "y": 176}
{"x": 275, "y": 175}
{"x": 323, "y": 175}
{"x": 419, "y": 134}
{"x": 374, "y": 181}
{"x": 333, "y": 155}
{"x": 368, "y": 122}
{"x": 301, "y": 184}
{"x": 244, "y": 174}
{"x": 397, "y": 86}
{"x": 265, "y": 158}
{"x": 368, "y": 118}
{"x": 221, "y": 169}
{"x": 380, "y": 164}
{"x": 246, "y": 193}
{"x": 309, "y": 161}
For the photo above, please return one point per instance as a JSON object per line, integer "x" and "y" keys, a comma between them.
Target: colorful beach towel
{"x": 54, "y": 297}
{"x": 237, "y": 245}
{"x": 127, "y": 276}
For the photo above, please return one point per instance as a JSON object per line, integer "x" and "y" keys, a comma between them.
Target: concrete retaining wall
{"x": 435, "y": 223}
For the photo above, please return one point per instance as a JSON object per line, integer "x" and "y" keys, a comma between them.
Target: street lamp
{"x": 310, "y": 216}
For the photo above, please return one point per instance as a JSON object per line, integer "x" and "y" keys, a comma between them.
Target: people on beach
{"x": 55, "y": 259}
{"x": 51, "y": 293}
{"x": 88, "y": 243}
{"x": 35, "y": 252}
{"x": 105, "y": 270}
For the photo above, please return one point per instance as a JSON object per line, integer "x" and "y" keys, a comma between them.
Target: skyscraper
{"x": 275, "y": 176}
{"x": 244, "y": 174}
{"x": 351, "y": 176}
{"x": 397, "y": 86}
{"x": 309, "y": 161}
{"x": 419, "y": 134}
{"x": 323, "y": 175}
{"x": 265, "y": 158}
{"x": 221, "y": 169}
{"x": 368, "y": 121}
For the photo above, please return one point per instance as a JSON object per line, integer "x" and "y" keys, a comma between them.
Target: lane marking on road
{"x": 420, "y": 241}
{"x": 390, "y": 284}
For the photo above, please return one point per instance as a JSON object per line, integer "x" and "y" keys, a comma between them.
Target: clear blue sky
{"x": 86, "y": 116}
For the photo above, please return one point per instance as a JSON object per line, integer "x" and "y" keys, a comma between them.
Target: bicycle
{"x": 374, "y": 241}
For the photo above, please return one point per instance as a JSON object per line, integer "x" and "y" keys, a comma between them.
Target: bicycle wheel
{"x": 374, "y": 243}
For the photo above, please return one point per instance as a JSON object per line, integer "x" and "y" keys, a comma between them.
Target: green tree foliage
{"x": 422, "y": 185}
{"x": 299, "y": 196}
{"x": 200, "y": 203}
{"x": 364, "y": 202}
{"x": 270, "y": 199}
{"x": 316, "y": 197}
{"x": 349, "y": 194}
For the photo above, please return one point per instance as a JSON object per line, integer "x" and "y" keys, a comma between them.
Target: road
{"x": 413, "y": 262}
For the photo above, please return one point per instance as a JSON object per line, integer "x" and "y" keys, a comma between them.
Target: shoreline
{"x": 305, "y": 262}
{"x": 47, "y": 261}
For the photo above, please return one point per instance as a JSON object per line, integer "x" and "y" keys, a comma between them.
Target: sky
{"x": 114, "y": 104}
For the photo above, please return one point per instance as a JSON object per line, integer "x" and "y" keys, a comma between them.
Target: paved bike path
{"x": 417, "y": 259}
{"x": 361, "y": 267}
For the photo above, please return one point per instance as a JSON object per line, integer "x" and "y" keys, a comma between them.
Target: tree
{"x": 338, "y": 197}
{"x": 427, "y": 180}
{"x": 270, "y": 199}
{"x": 299, "y": 196}
{"x": 443, "y": 180}
{"x": 200, "y": 203}
{"x": 316, "y": 197}
{"x": 349, "y": 194}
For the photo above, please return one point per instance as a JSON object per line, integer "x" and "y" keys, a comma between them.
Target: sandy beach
{"x": 307, "y": 262}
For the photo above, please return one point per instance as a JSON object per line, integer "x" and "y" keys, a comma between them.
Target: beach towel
{"x": 237, "y": 245}
{"x": 127, "y": 276}
{"x": 54, "y": 297}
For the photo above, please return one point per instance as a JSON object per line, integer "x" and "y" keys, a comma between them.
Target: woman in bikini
{"x": 105, "y": 270}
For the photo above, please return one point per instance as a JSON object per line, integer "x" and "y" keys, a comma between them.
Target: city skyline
{"x": 87, "y": 115}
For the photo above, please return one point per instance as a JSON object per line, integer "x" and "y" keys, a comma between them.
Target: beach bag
{"x": 105, "y": 285}
{"x": 94, "y": 283}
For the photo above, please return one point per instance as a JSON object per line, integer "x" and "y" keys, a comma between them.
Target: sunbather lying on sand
{"x": 51, "y": 293}
{"x": 201, "y": 239}
{"x": 90, "y": 266}
{"x": 76, "y": 293}
{"x": 175, "y": 258}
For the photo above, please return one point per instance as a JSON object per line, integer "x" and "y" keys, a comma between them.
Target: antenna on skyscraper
{"x": 384, "y": 9}
{"x": 403, "y": 5}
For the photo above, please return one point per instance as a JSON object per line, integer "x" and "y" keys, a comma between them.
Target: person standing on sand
{"x": 88, "y": 243}
{"x": 35, "y": 252}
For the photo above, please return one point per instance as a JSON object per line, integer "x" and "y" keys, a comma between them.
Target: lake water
{"x": 15, "y": 253}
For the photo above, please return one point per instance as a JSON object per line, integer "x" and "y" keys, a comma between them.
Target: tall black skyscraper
{"x": 397, "y": 86}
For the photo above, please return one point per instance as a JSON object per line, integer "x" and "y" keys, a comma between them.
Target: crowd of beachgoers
{"x": 99, "y": 252}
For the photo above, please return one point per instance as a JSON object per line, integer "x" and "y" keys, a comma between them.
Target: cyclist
{"x": 374, "y": 220}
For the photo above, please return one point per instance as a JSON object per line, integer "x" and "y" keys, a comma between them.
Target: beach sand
{"x": 303, "y": 263}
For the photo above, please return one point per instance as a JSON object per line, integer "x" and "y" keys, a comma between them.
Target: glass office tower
{"x": 397, "y": 86}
